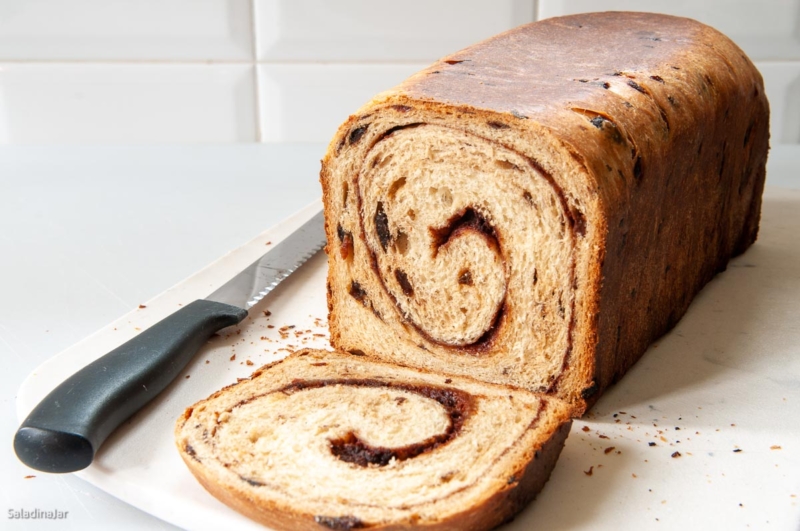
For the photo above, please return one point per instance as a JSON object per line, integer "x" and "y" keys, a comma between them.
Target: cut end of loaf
{"x": 332, "y": 440}
{"x": 454, "y": 247}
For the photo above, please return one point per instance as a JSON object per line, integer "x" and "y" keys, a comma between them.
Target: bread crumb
{"x": 585, "y": 428}
{"x": 634, "y": 476}
{"x": 142, "y": 306}
{"x": 233, "y": 358}
{"x": 609, "y": 449}
{"x": 774, "y": 447}
{"x": 248, "y": 362}
{"x": 589, "y": 472}
{"x": 29, "y": 477}
{"x": 676, "y": 454}
{"x": 187, "y": 376}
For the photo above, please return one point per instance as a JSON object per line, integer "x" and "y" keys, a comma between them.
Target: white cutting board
{"x": 728, "y": 376}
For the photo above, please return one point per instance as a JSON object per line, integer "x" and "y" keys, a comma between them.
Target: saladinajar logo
{"x": 36, "y": 514}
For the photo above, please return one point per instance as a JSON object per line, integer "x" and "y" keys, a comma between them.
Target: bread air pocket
{"x": 354, "y": 443}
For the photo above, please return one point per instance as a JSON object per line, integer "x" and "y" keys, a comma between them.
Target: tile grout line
{"x": 232, "y": 62}
{"x": 256, "y": 75}
{"x": 287, "y": 62}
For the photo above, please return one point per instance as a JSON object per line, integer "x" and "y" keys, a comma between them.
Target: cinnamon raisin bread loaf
{"x": 325, "y": 439}
{"x": 536, "y": 209}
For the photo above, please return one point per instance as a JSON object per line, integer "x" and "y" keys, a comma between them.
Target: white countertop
{"x": 89, "y": 233}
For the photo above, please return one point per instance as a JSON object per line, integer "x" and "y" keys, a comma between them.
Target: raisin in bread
{"x": 536, "y": 209}
{"x": 324, "y": 439}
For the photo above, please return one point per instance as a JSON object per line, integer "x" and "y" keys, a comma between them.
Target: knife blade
{"x": 65, "y": 430}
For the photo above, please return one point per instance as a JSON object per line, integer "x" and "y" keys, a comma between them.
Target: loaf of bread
{"x": 324, "y": 439}
{"x": 536, "y": 209}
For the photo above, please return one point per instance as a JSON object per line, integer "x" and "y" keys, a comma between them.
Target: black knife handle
{"x": 64, "y": 430}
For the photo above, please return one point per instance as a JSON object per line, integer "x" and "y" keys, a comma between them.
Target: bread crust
{"x": 656, "y": 130}
{"x": 527, "y": 474}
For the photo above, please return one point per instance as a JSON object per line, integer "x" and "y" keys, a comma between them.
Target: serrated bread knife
{"x": 66, "y": 428}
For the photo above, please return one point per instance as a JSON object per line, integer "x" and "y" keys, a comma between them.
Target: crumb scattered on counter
{"x": 29, "y": 477}
{"x": 590, "y": 471}
{"x": 233, "y": 358}
{"x": 248, "y": 362}
{"x": 142, "y": 306}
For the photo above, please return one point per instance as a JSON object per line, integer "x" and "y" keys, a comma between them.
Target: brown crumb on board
{"x": 233, "y": 358}
{"x": 188, "y": 376}
{"x": 248, "y": 362}
{"x": 774, "y": 447}
{"x": 609, "y": 449}
{"x": 141, "y": 306}
{"x": 676, "y": 454}
{"x": 29, "y": 477}
{"x": 589, "y": 472}
{"x": 585, "y": 428}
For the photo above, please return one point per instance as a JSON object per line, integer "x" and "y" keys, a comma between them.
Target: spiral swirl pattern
{"x": 359, "y": 440}
{"x": 459, "y": 246}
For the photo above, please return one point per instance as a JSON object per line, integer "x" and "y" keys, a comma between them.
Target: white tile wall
{"x": 307, "y": 102}
{"x": 137, "y": 30}
{"x": 112, "y": 103}
{"x": 379, "y": 30}
{"x": 782, "y": 82}
{"x": 279, "y": 70}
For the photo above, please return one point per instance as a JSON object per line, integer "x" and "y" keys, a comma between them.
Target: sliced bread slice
{"x": 332, "y": 440}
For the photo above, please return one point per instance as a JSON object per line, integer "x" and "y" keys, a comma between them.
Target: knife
{"x": 67, "y": 427}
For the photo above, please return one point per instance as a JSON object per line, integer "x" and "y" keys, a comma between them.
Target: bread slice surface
{"x": 324, "y": 439}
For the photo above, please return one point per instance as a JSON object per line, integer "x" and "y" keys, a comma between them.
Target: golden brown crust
{"x": 656, "y": 130}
